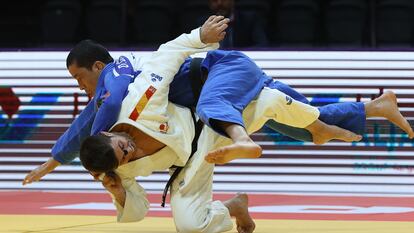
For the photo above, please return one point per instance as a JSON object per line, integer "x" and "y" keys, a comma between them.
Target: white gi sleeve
{"x": 147, "y": 98}
{"x": 136, "y": 203}
{"x": 162, "y": 65}
{"x": 150, "y": 88}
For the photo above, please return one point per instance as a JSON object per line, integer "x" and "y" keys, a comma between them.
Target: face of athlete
{"x": 124, "y": 147}
{"x": 87, "y": 78}
{"x": 221, "y": 7}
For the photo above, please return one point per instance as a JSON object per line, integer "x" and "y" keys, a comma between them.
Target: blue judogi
{"x": 100, "y": 113}
{"x": 234, "y": 80}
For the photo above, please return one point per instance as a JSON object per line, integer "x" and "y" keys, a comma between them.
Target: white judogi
{"x": 191, "y": 192}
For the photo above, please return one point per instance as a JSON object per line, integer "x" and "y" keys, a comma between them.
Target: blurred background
{"x": 359, "y": 24}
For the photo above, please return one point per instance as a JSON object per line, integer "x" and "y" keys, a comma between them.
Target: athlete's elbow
{"x": 134, "y": 218}
{"x": 113, "y": 104}
{"x": 140, "y": 216}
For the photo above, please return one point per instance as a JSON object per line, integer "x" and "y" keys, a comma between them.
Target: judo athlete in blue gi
{"x": 233, "y": 80}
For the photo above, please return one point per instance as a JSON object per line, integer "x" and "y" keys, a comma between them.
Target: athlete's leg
{"x": 351, "y": 115}
{"x": 192, "y": 202}
{"x": 234, "y": 80}
{"x": 273, "y": 104}
{"x": 320, "y": 130}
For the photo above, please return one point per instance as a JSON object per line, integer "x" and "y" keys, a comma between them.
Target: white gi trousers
{"x": 191, "y": 192}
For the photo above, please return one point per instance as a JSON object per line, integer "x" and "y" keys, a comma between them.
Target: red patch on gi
{"x": 164, "y": 127}
{"x": 142, "y": 103}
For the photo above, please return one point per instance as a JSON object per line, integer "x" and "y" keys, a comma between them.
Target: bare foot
{"x": 322, "y": 133}
{"x": 386, "y": 106}
{"x": 225, "y": 154}
{"x": 238, "y": 208}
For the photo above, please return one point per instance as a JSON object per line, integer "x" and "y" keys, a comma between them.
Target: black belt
{"x": 197, "y": 80}
{"x": 198, "y": 127}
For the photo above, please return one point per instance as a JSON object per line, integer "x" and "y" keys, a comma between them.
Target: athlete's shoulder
{"x": 123, "y": 66}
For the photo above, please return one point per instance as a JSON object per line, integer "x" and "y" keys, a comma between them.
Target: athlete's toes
{"x": 209, "y": 159}
{"x": 212, "y": 156}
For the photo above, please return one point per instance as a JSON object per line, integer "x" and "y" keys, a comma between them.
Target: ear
{"x": 98, "y": 66}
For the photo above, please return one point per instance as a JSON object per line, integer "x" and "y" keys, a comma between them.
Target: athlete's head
{"x": 221, "y": 7}
{"x": 107, "y": 151}
{"x": 85, "y": 63}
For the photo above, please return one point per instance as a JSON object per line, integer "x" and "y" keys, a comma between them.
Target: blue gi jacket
{"x": 100, "y": 113}
{"x": 103, "y": 110}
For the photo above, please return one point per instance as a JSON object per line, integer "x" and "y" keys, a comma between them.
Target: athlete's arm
{"x": 128, "y": 197}
{"x": 107, "y": 115}
{"x": 67, "y": 146}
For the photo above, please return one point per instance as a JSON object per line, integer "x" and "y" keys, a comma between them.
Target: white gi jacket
{"x": 146, "y": 107}
{"x": 146, "y": 104}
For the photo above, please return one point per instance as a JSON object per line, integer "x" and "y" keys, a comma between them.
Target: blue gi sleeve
{"x": 110, "y": 107}
{"x": 67, "y": 146}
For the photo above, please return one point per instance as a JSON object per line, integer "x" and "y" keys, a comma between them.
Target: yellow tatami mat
{"x": 107, "y": 224}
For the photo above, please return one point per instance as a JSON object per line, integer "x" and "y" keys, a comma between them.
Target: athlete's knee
{"x": 194, "y": 219}
{"x": 272, "y": 100}
{"x": 286, "y": 89}
{"x": 190, "y": 225}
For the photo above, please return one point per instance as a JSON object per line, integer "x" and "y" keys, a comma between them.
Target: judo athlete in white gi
{"x": 163, "y": 134}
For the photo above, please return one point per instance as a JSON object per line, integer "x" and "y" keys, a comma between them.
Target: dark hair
{"x": 86, "y": 53}
{"x": 97, "y": 154}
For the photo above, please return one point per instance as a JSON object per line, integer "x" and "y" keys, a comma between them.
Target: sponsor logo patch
{"x": 155, "y": 77}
